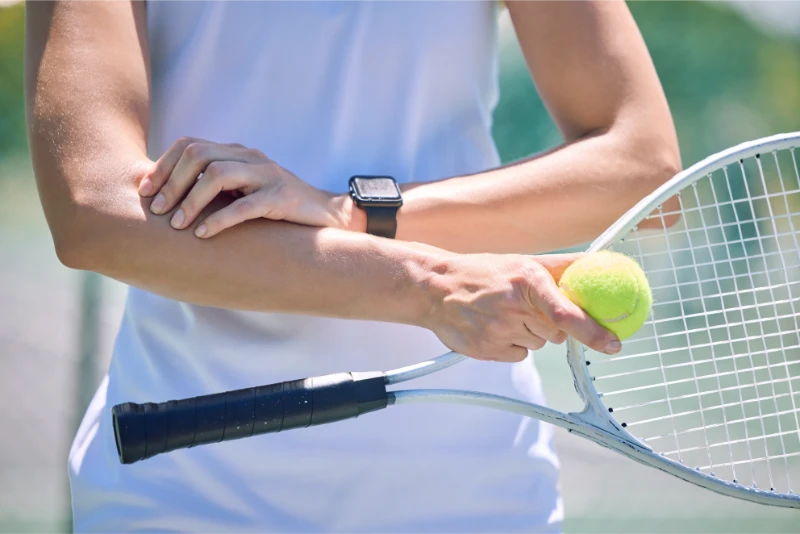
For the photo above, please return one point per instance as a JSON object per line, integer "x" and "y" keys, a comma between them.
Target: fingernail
{"x": 201, "y": 230}
{"x": 177, "y": 219}
{"x": 613, "y": 347}
{"x": 158, "y": 204}
{"x": 146, "y": 187}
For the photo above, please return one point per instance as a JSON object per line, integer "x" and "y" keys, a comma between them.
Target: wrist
{"x": 357, "y": 217}
{"x": 429, "y": 275}
{"x": 348, "y": 216}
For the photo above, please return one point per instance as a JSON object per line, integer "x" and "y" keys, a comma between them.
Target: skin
{"x": 100, "y": 191}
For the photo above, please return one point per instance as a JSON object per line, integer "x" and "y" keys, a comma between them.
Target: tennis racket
{"x": 704, "y": 391}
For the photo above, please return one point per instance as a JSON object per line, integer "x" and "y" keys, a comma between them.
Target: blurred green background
{"x": 731, "y": 73}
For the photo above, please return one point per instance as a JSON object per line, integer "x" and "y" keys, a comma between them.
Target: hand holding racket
{"x": 496, "y": 307}
{"x": 704, "y": 391}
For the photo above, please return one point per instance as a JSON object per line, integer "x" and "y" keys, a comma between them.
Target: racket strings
{"x": 701, "y": 410}
{"x": 713, "y": 379}
{"x": 695, "y": 429}
{"x": 780, "y": 195}
{"x": 745, "y": 242}
{"x": 771, "y": 290}
{"x": 787, "y": 277}
{"x": 687, "y": 364}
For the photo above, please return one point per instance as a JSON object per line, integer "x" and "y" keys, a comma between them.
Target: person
{"x": 202, "y": 153}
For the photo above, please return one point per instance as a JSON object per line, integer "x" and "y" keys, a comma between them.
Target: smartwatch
{"x": 379, "y": 197}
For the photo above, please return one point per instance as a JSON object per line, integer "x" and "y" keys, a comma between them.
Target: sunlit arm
{"x": 88, "y": 103}
{"x": 88, "y": 109}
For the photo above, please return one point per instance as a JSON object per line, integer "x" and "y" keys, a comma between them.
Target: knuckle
{"x": 215, "y": 169}
{"x": 533, "y": 272}
{"x": 257, "y": 153}
{"x": 481, "y": 355}
{"x": 485, "y": 350}
{"x": 269, "y": 169}
{"x": 560, "y": 337}
{"x": 185, "y": 141}
{"x": 560, "y": 315}
{"x": 243, "y": 206}
{"x": 195, "y": 150}
{"x": 520, "y": 281}
{"x": 512, "y": 354}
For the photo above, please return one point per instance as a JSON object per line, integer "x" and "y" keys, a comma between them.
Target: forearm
{"x": 88, "y": 109}
{"x": 559, "y": 199}
{"x": 603, "y": 94}
{"x": 260, "y": 265}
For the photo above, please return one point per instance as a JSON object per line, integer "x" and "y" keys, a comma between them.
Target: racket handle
{"x": 145, "y": 430}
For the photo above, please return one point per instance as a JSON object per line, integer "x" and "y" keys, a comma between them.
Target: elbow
{"x": 87, "y": 220}
{"x": 659, "y": 162}
{"x": 71, "y": 254}
{"x": 73, "y": 239}
{"x": 92, "y": 235}
{"x": 665, "y": 167}
{"x": 67, "y": 253}
{"x": 76, "y": 223}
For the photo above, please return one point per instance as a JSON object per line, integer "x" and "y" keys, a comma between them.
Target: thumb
{"x": 571, "y": 319}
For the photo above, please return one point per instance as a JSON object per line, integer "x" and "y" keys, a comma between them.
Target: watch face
{"x": 377, "y": 190}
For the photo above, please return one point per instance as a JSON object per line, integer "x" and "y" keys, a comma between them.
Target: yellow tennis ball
{"x": 611, "y": 288}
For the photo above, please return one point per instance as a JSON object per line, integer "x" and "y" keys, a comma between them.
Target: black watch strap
{"x": 381, "y": 221}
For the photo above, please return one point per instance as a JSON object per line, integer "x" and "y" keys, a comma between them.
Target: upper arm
{"x": 88, "y": 101}
{"x": 590, "y": 65}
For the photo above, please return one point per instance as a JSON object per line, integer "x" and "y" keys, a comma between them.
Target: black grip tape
{"x": 181, "y": 422}
{"x": 298, "y": 403}
{"x": 209, "y": 418}
{"x": 155, "y": 426}
{"x": 238, "y": 414}
{"x": 145, "y": 430}
{"x": 268, "y": 409}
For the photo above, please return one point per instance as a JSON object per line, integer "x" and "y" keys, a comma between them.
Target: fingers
{"x": 219, "y": 176}
{"x": 155, "y": 180}
{"x": 240, "y": 210}
{"x": 545, "y": 330}
{"x": 572, "y": 320}
{"x": 510, "y": 342}
{"x": 497, "y": 353}
{"x": 511, "y": 354}
{"x": 530, "y": 341}
{"x": 178, "y": 168}
{"x": 533, "y": 337}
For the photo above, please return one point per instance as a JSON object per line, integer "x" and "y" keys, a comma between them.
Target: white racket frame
{"x": 594, "y": 422}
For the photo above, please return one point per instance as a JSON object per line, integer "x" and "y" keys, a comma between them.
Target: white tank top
{"x": 328, "y": 90}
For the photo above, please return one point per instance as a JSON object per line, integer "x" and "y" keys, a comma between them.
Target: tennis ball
{"x": 611, "y": 288}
